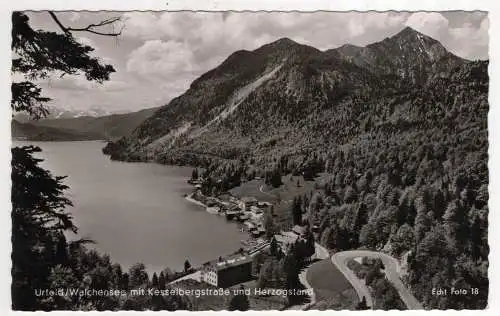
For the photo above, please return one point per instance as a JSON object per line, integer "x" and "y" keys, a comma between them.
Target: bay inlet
{"x": 136, "y": 212}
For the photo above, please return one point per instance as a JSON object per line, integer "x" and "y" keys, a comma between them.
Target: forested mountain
{"x": 29, "y": 131}
{"x": 289, "y": 100}
{"x": 108, "y": 127}
{"x": 399, "y": 125}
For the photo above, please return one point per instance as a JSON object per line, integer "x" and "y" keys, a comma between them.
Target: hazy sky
{"x": 160, "y": 53}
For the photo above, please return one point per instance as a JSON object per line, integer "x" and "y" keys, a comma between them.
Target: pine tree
{"x": 362, "y": 305}
{"x": 456, "y": 222}
{"x": 274, "y": 247}
{"x": 161, "y": 281}
{"x": 310, "y": 242}
{"x": 292, "y": 268}
{"x": 194, "y": 174}
{"x": 269, "y": 225}
{"x": 138, "y": 275}
{"x": 124, "y": 282}
{"x": 187, "y": 266}
{"x": 61, "y": 250}
{"x": 239, "y": 302}
{"x": 38, "y": 203}
{"x": 297, "y": 211}
{"x": 154, "y": 280}
{"x": 439, "y": 204}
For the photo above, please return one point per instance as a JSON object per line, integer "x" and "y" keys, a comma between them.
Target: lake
{"x": 136, "y": 211}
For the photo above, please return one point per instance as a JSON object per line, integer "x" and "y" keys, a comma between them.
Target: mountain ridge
{"x": 106, "y": 127}
{"x": 390, "y": 140}
{"x": 309, "y": 83}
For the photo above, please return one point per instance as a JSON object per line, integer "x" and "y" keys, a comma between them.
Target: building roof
{"x": 249, "y": 199}
{"x": 299, "y": 230}
{"x": 233, "y": 210}
{"x": 249, "y": 224}
{"x": 286, "y": 238}
{"x": 264, "y": 203}
{"x": 231, "y": 261}
{"x": 255, "y": 209}
{"x": 225, "y": 197}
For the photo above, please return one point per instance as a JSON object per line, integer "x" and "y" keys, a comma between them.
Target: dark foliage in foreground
{"x": 42, "y": 258}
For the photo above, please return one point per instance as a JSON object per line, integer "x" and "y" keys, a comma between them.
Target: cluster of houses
{"x": 237, "y": 268}
{"x": 247, "y": 210}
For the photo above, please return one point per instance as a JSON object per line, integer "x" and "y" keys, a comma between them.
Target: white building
{"x": 228, "y": 271}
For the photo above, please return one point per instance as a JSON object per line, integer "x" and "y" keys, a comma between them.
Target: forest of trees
{"x": 426, "y": 201}
{"x": 414, "y": 185}
{"x": 416, "y": 188}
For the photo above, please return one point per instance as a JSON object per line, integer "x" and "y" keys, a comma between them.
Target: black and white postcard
{"x": 249, "y": 160}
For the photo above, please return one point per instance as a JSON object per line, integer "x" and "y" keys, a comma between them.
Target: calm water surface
{"x": 136, "y": 211}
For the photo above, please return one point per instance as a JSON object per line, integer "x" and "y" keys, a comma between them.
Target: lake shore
{"x": 136, "y": 212}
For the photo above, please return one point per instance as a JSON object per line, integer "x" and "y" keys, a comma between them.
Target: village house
{"x": 233, "y": 212}
{"x": 286, "y": 239}
{"x": 247, "y": 202}
{"x": 299, "y": 230}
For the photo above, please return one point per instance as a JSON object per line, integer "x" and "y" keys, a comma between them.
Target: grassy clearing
{"x": 252, "y": 188}
{"x": 282, "y": 197}
{"x": 325, "y": 278}
{"x": 332, "y": 289}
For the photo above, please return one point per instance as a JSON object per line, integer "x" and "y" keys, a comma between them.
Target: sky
{"x": 159, "y": 54}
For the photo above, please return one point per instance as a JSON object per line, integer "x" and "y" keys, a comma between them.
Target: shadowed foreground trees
{"x": 42, "y": 258}
{"x": 39, "y": 219}
{"x": 240, "y": 301}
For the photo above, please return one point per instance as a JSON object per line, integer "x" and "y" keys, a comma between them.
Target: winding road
{"x": 261, "y": 189}
{"x": 391, "y": 269}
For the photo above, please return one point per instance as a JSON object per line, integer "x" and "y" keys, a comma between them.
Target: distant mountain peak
{"x": 411, "y": 47}
{"x": 408, "y": 34}
{"x": 349, "y": 46}
{"x": 408, "y": 30}
{"x": 284, "y": 41}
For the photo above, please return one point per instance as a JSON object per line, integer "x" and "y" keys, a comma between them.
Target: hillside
{"x": 287, "y": 99}
{"x": 398, "y": 128}
{"x": 109, "y": 127}
{"x": 28, "y": 131}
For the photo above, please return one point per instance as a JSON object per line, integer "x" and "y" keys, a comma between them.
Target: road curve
{"x": 391, "y": 268}
{"x": 340, "y": 261}
{"x": 261, "y": 189}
